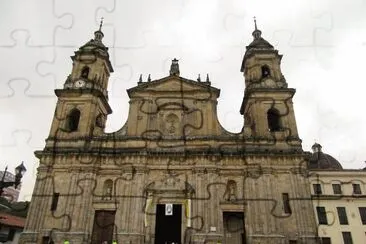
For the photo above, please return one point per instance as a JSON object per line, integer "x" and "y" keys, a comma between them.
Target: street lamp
{"x": 19, "y": 172}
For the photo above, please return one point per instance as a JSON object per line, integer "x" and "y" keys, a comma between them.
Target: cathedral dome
{"x": 320, "y": 160}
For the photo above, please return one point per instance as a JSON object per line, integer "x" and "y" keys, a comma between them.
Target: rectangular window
{"x": 11, "y": 234}
{"x": 317, "y": 189}
{"x": 292, "y": 242}
{"x": 347, "y": 238}
{"x": 363, "y": 214}
{"x": 325, "y": 240}
{"x": 54, "y": 201}
{"x": 342, "y": 215}
{"x": 337, "y": 188}
{"x": 356, "y": 188}
{"x": 286, "y": 203}
{"x": 322, "y": 215}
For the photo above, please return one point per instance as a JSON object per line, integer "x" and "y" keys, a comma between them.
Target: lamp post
{"x": 19, "y": 172}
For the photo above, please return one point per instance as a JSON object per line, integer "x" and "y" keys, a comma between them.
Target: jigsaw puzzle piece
{"x": 38, "y": 18}
{"x": 25, "y": 69}
{"x": 70, "y": 37}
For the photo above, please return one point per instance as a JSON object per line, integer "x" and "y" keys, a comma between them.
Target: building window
{"x": 265, "y": 71}
{"x": 356, "y": 188}
{"x": 73, "y": 120}
{"x": 337, "y": 188}
{"x": 286, "y": 203}
{"x": 273, "y": 118}
{"x": 292, "y": 242}
{"x": 85, "y": 72}
{"x": 322, "y": 215}
{"x": 317, "y": 189}
{"x": 347, "y": 238}
{"x": 342, "y": 215}
{"x": 11, "y": 234}
{"x": 54, "y": 201}
{"x": 363, "y": 214}
{"x": 325, "y": 240}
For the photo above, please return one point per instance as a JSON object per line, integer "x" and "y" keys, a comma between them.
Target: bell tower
{"x": 82, "y": 106}
{"x": 267, "y": 105}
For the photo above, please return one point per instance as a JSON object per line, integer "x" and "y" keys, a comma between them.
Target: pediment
{"x": 173, "y": 84}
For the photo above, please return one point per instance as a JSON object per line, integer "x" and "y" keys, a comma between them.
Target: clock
{"x": 68, "y": 85}
{"x": 270, "y": 83}
{"x": 79, "y": 83}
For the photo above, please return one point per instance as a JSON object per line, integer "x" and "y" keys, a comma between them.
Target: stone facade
{"x": 250, "y": 187}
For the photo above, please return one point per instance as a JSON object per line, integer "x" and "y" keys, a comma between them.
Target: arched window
{"x": 85, "y": 72}
{"x": 107, "y": 189}
{"x": 73, "y": 120}
{"x": 265, "y": 71}
{"x": 273, "y": 118}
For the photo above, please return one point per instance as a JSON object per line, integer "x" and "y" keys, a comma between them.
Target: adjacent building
{"x": 339, "y": 199}
{"x": 10, "y": 228}
{"x": 10, "y": 193}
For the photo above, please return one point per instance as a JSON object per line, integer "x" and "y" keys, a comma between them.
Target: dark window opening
{"x": 286, "y": 203}
{"x": 342, "y": 215}
{"x": 322, "y": 215}
{"x": 356, "y": 188}
{"x": 54, "y": 201}
{"x": 73, "y": 120}
{"x": 325, "y": 240}
{"x": 85, "y": 72}
{"x": 317, "y": 189}
{"x": 347, "y": 238}
{"x": 337, "y": 188}
{"x": 363, "y": 214}
{"x": 265, "y": 71}
{"x": 11, "y": 234}
{"x": 292, "y": 242}
{"x": 273, "y": 117}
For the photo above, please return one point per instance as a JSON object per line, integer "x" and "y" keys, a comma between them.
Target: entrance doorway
{"x": 103, "y": 226}
{"x": 234, "y": 231}
{"x": 168, "y": 224}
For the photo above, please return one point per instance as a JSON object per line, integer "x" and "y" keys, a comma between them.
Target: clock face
{"x": 79, "y": 83}
{"x": 270, "y": 83}
{"x": 68, "y": 85}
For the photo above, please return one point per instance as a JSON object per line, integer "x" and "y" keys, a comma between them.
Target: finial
{"x": 101, "y": 24}
{"x": 98, "y": 35}
{"x": 256, "y": 33}
{"x": 140, "y": 79}
{"x": 199, "y": 78}
{"x": 207, "y": 78}
{"x": 255, "y": 23}
{"x": 149, "y": 78}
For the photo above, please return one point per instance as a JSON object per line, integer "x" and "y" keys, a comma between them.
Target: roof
{"x": 260, "y": 43}
{"x": 320, "y": 160}
{"x": 11, "y": 220}
{"x": 180, "y": 83}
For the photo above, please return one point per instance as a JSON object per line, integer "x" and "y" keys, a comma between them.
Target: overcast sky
{"x": 323, "y": 43}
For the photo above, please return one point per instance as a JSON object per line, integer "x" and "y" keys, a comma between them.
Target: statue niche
{"x": 231, "y": 191}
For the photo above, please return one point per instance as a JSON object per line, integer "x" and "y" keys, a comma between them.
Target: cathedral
{"x": 172, "y": 173}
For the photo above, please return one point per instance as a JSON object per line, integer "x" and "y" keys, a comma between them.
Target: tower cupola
{"x": 91, "y": 65}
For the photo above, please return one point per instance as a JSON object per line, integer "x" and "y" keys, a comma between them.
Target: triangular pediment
{"x": 173, "y": 84}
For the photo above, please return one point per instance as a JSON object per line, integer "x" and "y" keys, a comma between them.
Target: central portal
{"x": 168, "y": 224}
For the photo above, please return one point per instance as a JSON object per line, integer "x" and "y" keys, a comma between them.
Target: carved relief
{"x": 172, "y": 124}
